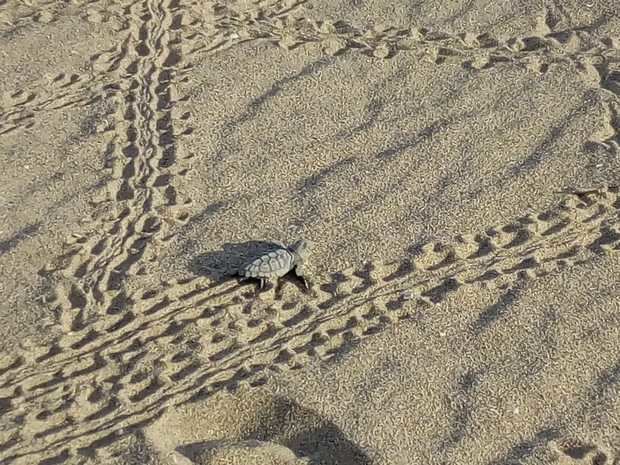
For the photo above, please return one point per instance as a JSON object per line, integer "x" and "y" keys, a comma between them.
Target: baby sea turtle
{"x": 278, "y": 262}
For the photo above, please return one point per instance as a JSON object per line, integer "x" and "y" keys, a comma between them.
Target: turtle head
{"x": 301, "y": 249}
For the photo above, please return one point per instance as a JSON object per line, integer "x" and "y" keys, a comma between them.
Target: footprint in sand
{"x": 576, "y": 452}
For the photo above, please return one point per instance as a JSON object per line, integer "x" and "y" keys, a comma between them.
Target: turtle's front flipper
{"x": 299, "y": 272}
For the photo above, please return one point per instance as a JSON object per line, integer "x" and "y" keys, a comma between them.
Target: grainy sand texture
{"x": 455, "y": 163}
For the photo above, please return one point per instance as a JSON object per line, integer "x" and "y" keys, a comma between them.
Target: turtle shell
{"x": 270, "y": 265}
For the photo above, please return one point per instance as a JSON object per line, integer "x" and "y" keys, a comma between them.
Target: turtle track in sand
{"x": 192, "y": 338}
{"x": 20, "y": 108}
{"x": 144, "y": 157}
{"x": 215, "y": 27}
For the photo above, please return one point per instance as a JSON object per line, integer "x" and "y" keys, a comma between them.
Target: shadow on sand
{"x": 302, "y": 430}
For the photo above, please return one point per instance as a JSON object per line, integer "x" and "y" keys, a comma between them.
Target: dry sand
{"x": 455, "y": 163}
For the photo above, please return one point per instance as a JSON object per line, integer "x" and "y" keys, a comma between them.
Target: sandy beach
{"x": 456, "y": 166}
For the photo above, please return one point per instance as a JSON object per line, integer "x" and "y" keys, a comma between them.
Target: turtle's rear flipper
{"x": 278, "y": 289}
{"x": 299, "y": 272}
